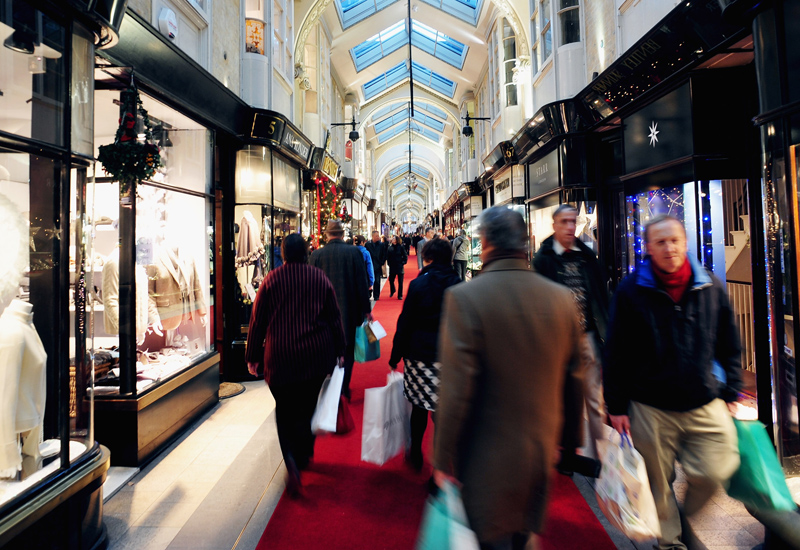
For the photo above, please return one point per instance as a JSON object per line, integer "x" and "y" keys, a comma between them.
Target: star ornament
{"x": 653, "y": 135}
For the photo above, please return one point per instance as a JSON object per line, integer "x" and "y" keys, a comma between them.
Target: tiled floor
{"x": 217, "y": 487}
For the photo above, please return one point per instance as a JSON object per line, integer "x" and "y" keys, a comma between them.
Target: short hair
{"x": 294, "y": 249}
{"x": 563, "y": 209}
{"x": 428, "y": 229}
{"x": 661, "y": 218}
{"x": 438, "y": 251}
{"x": 503, "y": 229}
{"x": 462, "y": 232}
{"x": 359, "y": 240}
{"x": 376, "y": 231}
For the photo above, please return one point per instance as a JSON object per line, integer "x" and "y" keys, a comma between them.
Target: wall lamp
{"x": 353, "y": 133}
{"x": 466, "y": 131}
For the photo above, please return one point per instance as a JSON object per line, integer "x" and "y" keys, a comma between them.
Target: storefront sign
{"x": 502, "y": 191}
{"x": 473, "y": 206}
{"x": 321, "y": 161}
{"x": 267, "y": 127}
{"x": 501, "y": 156}
{"x": 296, "y": 143}
{"x": 168, "y": 23}
{"x": 660, "y": 132}
{"x": 543, "y": 175}
{"x": 517, "y": 181}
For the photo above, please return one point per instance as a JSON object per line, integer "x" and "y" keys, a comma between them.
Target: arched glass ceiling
{"x": 415, "y": 127}
{"x": 398, "y": 73}
{"x": 352, "y": 11}
{"x": 402, "y": 116}
{"x": 435, "y": 111}
{"x": 398, "y": 171}
{"x": 427, "y": 39}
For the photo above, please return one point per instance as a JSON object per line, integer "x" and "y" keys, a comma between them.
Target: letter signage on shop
{"x": 296, "y": 143}
{"x": 502, "y": 191}
{"x": 267, "y": 127}
{"x": 543, "y": 175}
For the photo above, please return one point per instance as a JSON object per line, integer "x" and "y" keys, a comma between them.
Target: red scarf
{"x": 676, "y": 284}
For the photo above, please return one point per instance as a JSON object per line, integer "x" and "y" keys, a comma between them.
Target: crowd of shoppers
{"x": 473, "y": 356}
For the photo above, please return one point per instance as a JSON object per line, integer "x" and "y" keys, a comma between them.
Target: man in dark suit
{"x": 344, "y": 265}
{"x": 377, "y": 250}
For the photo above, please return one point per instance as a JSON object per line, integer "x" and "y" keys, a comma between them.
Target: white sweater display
{"x": 23, "y": 381}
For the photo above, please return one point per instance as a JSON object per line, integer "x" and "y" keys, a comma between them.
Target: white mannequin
{"x": 23, "y": 385}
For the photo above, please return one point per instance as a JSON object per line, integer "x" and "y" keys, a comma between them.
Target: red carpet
{"x": 349, "y": 504}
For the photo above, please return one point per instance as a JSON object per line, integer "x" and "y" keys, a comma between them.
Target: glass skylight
{"x": 401, "y": 128}
{"x": 422, "y": 75}
{"x": 402, "y": 116}
{"x": 423, "y": 37}
{"x": 403, "y": 169}
{"x": 467, "y": 10}
{"x": 352, "y": 11}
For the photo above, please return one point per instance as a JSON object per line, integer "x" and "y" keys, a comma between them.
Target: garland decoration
{"x": 345, "y": 216}
{"x": 327, "y": 207}
{"x": 131, "y": 159}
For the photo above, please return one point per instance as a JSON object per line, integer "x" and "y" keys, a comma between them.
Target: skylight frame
{"x": 358, "y": 10}
{"x": 430, "y": 79}
{"x": 422, "y": 36}
{"x": 462, "y": 9}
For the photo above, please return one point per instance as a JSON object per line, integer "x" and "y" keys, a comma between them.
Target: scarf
{"x": 675, "y": 284}
{"x": 496, "y": 254}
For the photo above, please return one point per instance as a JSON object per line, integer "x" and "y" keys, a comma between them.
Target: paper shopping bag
{"x": 760, "y": 482}
{"x": 324, "y": 419}
{"x": 366, "y": 351}
{"x": 386, "y": 430}
{"x": 623, "y": 490}
{"x": 375, "y": 332}
{"x": 444, "y": 523}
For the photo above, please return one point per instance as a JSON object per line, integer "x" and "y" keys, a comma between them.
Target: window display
{"x": 31, "y": 438}
{"x": 172, "y": 237}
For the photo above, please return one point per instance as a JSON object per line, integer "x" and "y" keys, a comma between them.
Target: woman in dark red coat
{"x": 296, "y": 333}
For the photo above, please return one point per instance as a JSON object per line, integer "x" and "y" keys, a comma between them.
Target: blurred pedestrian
{"x": 670, "y": 322}
{"x": 461, "y": 254}
{"x": 296, "y": 334}
{"x": 377, "y": 252}
{"x": 565, "y": 259}
{"x": 416, "y": 339}
{"x": 346, "y": 268}
{"x": 360, "y": 241}
{"x": 397, "y": 258}
{"x": 508, "y": 340}
{"x": 429, "y": 235}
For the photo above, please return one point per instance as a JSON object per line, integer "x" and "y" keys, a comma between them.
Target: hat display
{"x": 334, "y": 227}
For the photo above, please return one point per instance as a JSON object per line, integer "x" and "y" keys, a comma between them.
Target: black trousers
{"x": 294, "y": 407}
{"x": 399, "y": 283}
{"x": 461, "y": 268}
{"x": 349, "y": 361}
{"x": 419, "y": 422}
{"x": 376, "y": 288}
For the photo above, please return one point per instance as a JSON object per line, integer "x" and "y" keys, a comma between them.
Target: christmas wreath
{"x": 130, "y": 159}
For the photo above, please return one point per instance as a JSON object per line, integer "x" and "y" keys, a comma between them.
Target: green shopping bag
{"x": 364, "y": 350}
{"x": 759, "y": 483}
{"x": 444, "y": 523}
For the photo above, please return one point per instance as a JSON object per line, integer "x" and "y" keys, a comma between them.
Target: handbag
{"x": 366, "y": 351}
{"x": 344, "y": 420}
{"x": 759, "y": 482}
{"x": 386, "y": 429}
{"x": 327, "y": 411}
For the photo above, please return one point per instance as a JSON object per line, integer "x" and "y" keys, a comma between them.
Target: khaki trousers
{"x": 703, "y": 440}
{"x": 593, "y": 389}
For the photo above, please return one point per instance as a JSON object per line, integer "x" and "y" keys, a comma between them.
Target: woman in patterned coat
{"x": 417, "y": 337}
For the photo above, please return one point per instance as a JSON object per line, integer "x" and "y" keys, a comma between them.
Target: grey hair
{"x": 563, "y": 209}
{"x": 661, "y": 218}
{"x": 462, "y": 232}
{"x": 504, "y": 229}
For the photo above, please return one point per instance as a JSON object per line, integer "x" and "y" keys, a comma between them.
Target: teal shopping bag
{"x": 434, "y": 531}
{"x": 364, "y": 350}
{"x": 760, "y": 482}
{"x": 444, "y": 523}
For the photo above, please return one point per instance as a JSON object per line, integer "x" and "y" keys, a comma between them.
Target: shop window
{"x": 509, "y": 62}
{"x": 542, "y": 33}
{"x": 282, "y": 34}
{"x": 82, "y": 99}
{"x": 32, "y": 84}
{"x": 569, "y": 15}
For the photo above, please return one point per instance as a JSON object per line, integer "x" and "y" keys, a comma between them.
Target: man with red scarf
{"x": 670, "y": 323}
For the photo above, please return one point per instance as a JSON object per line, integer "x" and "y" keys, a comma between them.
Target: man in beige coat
{"x": 507, "y": 342}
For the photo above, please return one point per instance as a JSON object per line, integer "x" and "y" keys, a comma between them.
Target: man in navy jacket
{"x": 670, "y": 323}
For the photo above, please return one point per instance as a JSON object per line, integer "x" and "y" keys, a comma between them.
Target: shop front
{"x": 51, "y": 468}
{"x": 322, "y": 194}
{"x": 266, "y": 208}
{"x": 505, "y": 179}
{"x": 473, "y": 206}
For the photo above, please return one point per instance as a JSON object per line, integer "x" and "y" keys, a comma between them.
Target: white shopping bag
{"x": 324, "y": 419}
{"x": 623, "y": 490}
{"x": 375, "y": 331}
{"x": 386, "y": 430}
